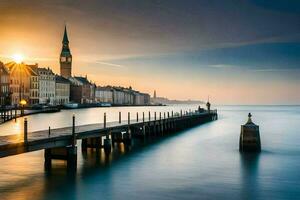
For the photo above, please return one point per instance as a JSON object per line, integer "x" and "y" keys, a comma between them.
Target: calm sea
{"x": 200, "y": 163}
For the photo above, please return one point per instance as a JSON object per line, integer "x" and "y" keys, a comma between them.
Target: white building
{"x": 46, "y": 86}
{"x": 62, "y": 90}
{"x": 104, "y": 95}
{"x": 118, "y": 96}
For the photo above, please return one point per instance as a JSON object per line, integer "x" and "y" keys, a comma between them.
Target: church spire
{"x": 65, "y": 38}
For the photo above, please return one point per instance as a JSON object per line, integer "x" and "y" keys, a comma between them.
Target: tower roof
{"x": 65, "y": 38}
{"x": 65, "y": 47}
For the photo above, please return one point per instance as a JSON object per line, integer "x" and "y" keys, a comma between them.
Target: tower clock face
{"x": 63, "y": 59}
{"x": 69, "y": 59}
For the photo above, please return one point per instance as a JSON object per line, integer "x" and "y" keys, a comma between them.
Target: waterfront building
{"x": 128, "y": 96}
{"x": 146, "y": 98}
{"x": 138, "y": 98}
{"x": 46, "y": 86}
{"x": 62, "y": 90}
{"x": 20, "y": 75}
{"x": 118, "y": 96}
{"x": 93, "y": 87}
{"x": 141, "y": 98}
{"x": 4, "y": 86}
{"x": 65, "y": 57}
{"x": 104, "y": 94}
{"x": 34, "y": 85}
{"x": 81, "y": 90}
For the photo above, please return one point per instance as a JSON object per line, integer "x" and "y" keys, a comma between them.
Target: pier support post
{"x": 107, "y": 144}
{"x": 120, "y": 118}
{"x": 68, "y": 153}
{"x": 127, "y": 137}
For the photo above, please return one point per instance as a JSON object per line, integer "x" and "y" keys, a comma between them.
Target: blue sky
{"x": 237, "y": 51}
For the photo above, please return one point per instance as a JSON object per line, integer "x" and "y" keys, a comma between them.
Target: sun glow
{"x": 18, "y": 58}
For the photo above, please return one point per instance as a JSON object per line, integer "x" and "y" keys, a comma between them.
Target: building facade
{"x": 4, "y": 86}
{"x": 104, "y": 95}
{"x": 46, "y": 86}
{"x": 20, "y": 75}
{"x": 65, "y": 57}
{"x": 62, "y": 90}
{"x": 82, "y": 91}
{"x": 34, "y": 85}
{"x": 141, "y": 98}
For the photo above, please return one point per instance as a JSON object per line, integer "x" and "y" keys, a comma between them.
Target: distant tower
{"x": 65, "y": 57}
{"x": 154, "y": 95}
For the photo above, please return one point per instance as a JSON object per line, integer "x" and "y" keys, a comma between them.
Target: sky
{"x": 235, "y": 51}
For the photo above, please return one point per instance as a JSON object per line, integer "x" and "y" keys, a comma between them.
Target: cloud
{"x": 110, "y": 64}
{"x": 222, "y": 66}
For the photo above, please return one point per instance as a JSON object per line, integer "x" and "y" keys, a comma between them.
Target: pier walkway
{"x": 61, "y": 143}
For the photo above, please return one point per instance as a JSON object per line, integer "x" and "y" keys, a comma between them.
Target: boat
{"x": 105, "y": 104}
{"x": 71, "y": 105}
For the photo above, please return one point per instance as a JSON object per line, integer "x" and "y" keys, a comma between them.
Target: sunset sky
{"x": 235, "y": 51}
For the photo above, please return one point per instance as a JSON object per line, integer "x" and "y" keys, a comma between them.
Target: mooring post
{"x": 128, "y": 118}
{"x": 104, "y": 120}
{"x": 164, "y": 115}
{"x": 168, "y": 121}
{"x": 72, "y": 150}
{"x": 15, "y": 113}
{"x": 180, "y": 113}
{"x": 73, "y": 131}
{"x": 160, "y": 124}
{"x": 137, "y": 117}
{"x": 154, "y": 116}
{"x": 49, "y": 131}
{"x": 143, "y": 117}
{"x": 119, "y": 117}
{"x": 25, "y": 130}
{"x": 149, "y": 116}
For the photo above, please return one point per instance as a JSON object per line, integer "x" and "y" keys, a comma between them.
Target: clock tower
{"x": 65, "y": 57}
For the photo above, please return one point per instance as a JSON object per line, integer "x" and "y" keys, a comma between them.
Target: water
{"x": 199, "y": 163}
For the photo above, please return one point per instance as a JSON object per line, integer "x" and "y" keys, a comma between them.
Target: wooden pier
{"x": 61, "y": 143}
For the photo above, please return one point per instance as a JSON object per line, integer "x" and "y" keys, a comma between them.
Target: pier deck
{"x": 64, "y": 137}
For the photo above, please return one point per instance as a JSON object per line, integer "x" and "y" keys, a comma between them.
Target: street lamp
{"x": 23, "y": 102}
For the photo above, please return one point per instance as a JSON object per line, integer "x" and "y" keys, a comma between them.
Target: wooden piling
{"x": 25, "y": 130}
{"x": 104, "y": 120}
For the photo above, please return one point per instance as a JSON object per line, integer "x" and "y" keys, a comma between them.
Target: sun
{"x": 18, "y": 58}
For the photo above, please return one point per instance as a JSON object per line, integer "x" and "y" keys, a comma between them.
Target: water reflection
{"x": 250, "y": 187}
{"x": 198, "y": 163}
